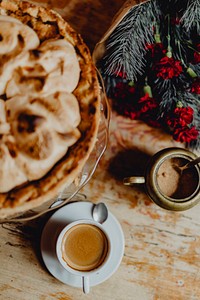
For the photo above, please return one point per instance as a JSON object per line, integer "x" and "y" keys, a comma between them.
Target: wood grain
{"x": 162, "y": 249}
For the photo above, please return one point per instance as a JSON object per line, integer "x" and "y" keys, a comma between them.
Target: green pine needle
{"x": 148, "y": 23}
{"x": 126, "y": 46}
{"x": 191, "y": 17}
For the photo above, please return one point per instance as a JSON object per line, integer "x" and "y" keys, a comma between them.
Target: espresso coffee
{"x": 84, "y": 247}
{"x": 174, "y": 183}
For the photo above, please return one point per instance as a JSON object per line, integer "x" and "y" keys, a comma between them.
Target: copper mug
{"x": 165, "y": 184}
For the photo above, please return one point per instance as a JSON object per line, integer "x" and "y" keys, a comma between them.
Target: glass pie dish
{"x": 69, "y": 193}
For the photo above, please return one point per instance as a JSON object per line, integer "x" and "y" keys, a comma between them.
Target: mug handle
{"x": 132, "y": 180}
{"x": 86, "y": 284}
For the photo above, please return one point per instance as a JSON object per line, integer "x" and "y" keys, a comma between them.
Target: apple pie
{"x": 49, "y": 105}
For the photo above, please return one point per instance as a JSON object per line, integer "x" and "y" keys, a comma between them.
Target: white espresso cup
{"x": 83, "y": 248}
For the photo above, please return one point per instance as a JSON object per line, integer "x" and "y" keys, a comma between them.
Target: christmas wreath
{"x": 151, "y": 67}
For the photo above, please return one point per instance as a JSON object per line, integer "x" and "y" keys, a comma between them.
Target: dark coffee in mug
{"x": 84, "y": 247}
{"x": 174, "y": 183}
{"x": 167, "y": 185}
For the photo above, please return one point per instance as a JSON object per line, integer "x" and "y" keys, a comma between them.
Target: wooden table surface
{"x": 162, "y": 249}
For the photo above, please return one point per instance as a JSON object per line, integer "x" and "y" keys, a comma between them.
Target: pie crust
{"x": 50, "y": 25}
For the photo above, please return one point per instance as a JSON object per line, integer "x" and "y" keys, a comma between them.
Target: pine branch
{"x": 172, "y": 7}
{"x": 168, "y": 94}
{"x": 168, "y": 90}
{"x": 172, "y": 25}
{"x": 191, "y": 17}
{"x": 195, "y": 68}
{"x": 126, "y": 46}
{"x": 194, "y": 144}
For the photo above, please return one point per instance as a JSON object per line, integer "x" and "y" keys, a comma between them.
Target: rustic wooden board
{"x": 162, "y": 248}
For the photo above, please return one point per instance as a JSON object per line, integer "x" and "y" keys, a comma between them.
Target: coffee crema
{"x": 174, "y": 183}
{"x": 84, "y": 247}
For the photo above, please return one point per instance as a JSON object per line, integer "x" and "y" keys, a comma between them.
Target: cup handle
{"x": 133, "y": 180}
{"x": 86, "y": 284}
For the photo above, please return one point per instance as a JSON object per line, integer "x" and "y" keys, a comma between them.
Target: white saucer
{"x": 65, "y": 215}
